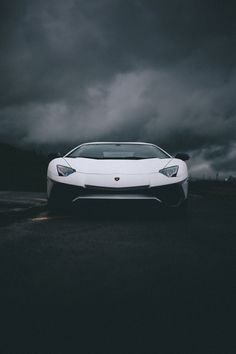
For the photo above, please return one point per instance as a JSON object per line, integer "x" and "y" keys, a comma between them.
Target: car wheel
{"x": 53, "y": 203}
{"x": 56, "y": 203}
{"x": 182, "y": 209}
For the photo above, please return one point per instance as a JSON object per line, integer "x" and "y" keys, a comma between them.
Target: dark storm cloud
{"x": 126, "y": 70}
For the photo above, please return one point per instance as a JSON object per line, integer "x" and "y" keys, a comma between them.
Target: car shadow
{"x": 120, "y": 210}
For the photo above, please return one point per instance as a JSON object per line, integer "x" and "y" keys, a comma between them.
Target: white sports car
{"x": 118, "y": 170}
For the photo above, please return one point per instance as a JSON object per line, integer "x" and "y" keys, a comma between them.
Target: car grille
{"x": 171, "y": 194}
{"x": 116, "y": 189}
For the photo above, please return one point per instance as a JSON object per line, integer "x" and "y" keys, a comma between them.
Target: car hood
{"x": 144, "y": 166}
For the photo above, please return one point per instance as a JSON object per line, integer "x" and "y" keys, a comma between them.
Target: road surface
{"x": 116, "y": 280}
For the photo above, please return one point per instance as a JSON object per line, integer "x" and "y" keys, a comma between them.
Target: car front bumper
{"x": 167, "y": 195}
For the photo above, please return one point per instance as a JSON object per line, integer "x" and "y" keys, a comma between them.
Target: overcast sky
{"x": 147, "y": 70}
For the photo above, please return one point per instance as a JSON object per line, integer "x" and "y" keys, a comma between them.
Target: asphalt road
{"x": 119, "y": 280}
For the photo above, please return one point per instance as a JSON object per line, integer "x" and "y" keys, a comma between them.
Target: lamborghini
{"x": 118, "y": 171}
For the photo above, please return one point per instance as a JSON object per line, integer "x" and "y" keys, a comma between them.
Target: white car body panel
{"x": 131, "y": 173}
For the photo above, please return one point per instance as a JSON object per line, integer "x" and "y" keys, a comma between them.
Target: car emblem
{"x": 117, "y": 179}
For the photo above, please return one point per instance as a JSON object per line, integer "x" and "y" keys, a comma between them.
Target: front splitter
{"x": 169, "y": 195}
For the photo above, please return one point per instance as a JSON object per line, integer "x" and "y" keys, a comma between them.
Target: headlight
{"x": 170, "y": 171}
{"x": 64, "y": 171}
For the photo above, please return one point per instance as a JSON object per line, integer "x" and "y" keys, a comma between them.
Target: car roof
{"x": 116, "y": 142}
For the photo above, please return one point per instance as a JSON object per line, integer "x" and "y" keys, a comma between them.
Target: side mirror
{"x": 54, "y": 155}
{"x": 182, "y": 156}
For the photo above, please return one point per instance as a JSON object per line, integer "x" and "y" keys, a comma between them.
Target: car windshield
{"x": 119, "y": 151}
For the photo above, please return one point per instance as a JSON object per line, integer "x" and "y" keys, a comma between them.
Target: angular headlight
{"x": 64, "y": 171}
{"x": 170, "y": 171}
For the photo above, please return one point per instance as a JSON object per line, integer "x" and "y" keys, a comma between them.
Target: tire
{"x": 53, "y": 205}
{"x": 182, "y": 209}
{"x": 184, "y": 204}
{"x": 56, "y": 203}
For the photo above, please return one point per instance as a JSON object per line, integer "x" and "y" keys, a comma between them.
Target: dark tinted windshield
{"x": 119, "y": 151}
